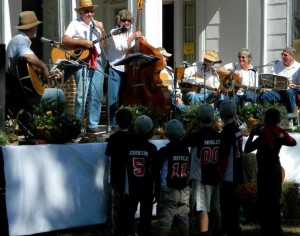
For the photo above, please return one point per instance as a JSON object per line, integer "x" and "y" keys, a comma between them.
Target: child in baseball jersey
{"x": 269, "y": 177}
{"x": 231, "y": 168}
{"x": 171, "y": 173}
{"x": 140, "y": 180}
{"x": 204, "y": 176}
{"x": 117, "y": 149}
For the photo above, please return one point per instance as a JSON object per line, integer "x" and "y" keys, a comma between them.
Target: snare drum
{"x": 276, "y": 82}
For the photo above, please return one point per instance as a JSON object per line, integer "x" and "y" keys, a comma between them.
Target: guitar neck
{"x": 102, "y": 38}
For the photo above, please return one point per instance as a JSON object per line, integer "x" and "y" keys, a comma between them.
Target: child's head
{"x": 143, "y": 126}
{"x": 272, "y": 117}
{"x": 174, "y": 129}
{"x": 123, "y": 118}
{"x": 228, "y": 111}
{"x": 206, "y": 114}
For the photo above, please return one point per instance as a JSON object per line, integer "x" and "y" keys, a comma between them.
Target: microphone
{"x": 43, "y": 39}
{"x": 218, "y": 62}
{"x": 254, "y": 69}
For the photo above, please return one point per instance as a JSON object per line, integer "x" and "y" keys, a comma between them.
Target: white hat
{"x": 164, "y": 52}
{"x": 143, "y": 125}
{"x": 228, "y": 108}
{"x": 206, "y": 113}
{"x": 174, "y": 129}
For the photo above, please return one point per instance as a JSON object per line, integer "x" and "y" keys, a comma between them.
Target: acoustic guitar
{"x": 33, "y": 82}
{"x": 71, "y": 53}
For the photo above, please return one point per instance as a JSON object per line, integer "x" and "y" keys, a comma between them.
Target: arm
{"x": 36, "y": 62}
{"x": 250, "y": 146}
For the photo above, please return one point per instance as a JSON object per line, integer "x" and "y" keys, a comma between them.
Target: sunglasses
{"x": 284, "y": 54}
{"x": 124, "y": 20}
{"x": 88, "y": 11}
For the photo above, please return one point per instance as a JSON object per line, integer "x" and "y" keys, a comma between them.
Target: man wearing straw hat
{"x": 81, "y": 33}
{"x": 18, "y": 51}
{"x": 203, "y": 75}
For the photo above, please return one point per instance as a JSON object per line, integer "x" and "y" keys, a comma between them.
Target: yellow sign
{"x": 188, "y": 48}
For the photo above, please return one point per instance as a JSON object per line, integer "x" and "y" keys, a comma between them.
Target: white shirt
{"x": 168, "y": 71}
{"x": 78, "y": 29}
{"x": 291, "y": 72}
{"x": 250, "y": 79}
{"x": 198, "y": 69}
{"x": 17, "y": 48}
{"x": 118, "y": 47}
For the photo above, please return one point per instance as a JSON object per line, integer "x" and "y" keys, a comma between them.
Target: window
{"x": 189, "y": 32}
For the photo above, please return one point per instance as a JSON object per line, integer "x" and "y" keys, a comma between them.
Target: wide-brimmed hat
{"x": 85, "y": 4}
{"x": 27, "y": 20}
{"x": 210, "y": 55}
{"x": 164, "y": 52}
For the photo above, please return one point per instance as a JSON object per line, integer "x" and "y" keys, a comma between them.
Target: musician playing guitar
{"x": 196, "y": 75}
{"x": 80, "y": 33}
{"x": 243, "y": 74}
{"x": 18, "y": 55}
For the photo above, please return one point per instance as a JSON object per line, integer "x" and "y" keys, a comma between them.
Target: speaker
{"x": 2, "y": 86}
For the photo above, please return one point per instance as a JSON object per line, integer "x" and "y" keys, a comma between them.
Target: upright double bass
{"x": 143, "y": 85}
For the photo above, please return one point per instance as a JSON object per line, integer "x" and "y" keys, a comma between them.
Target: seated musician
{"x": 167, "y": 76}
{"x": 289, "y": 68}
{"x": 201, "y": 73}
{"x": 18, "y": 51}
{"x": 244, "y": 76}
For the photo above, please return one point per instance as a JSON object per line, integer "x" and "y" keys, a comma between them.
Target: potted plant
{"x": 54, "y": 123}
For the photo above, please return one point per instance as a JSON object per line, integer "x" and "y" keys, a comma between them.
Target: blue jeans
{"x": 290, "y": 100}
{"x": 51, "y": 95}
{"x": 113, "y": 92}
{"x": 92, "y": 84}
{"x": 270, "y": 96}
{"x": 194, "y": 97}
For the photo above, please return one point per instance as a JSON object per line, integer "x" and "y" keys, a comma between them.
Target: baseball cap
{"x": 174, "y": 129}
{"x": 164, "y": 52}
{"x": 206, "y": 113}
{"x": 228, "y": 108}
{"x": 143, "y": 124}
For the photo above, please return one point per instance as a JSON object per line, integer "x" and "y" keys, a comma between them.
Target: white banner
{"x": 51, "y": 187}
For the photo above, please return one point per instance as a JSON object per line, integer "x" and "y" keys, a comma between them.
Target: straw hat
{"x": 85, "y": 4}
{"x": 210, "y": 55}
{"x": 27, "y": 20}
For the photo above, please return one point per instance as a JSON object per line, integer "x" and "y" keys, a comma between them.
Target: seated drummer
{"x": 246, "y": 82}
{"x": 196, "y": 75}
{"x": 289, "y": 68}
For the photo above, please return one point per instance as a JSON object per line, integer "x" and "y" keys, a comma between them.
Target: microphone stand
{"x": 204, "y": 75}
{"x": 84, "y": 65}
